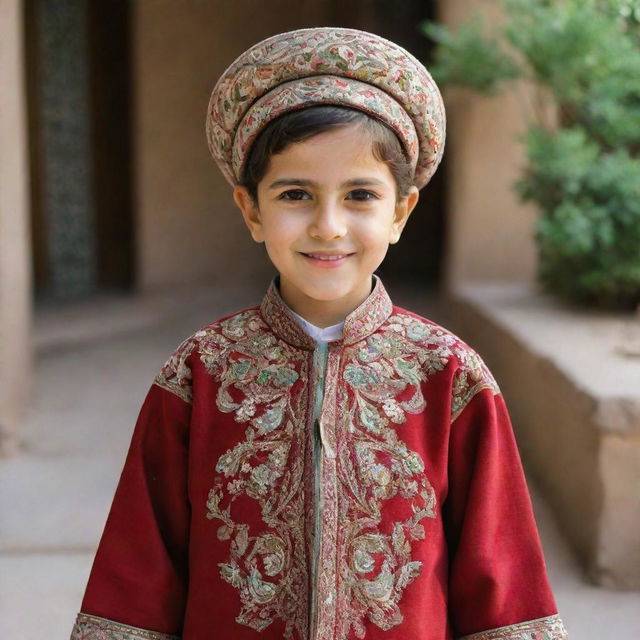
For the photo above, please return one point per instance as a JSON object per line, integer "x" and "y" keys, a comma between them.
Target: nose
{"x": 328, "y": 221}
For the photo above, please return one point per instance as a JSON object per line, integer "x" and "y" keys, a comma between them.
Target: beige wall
{"x": 187, "y": 229}
{"x": 489, "y": 231}
{"x": 15, "y": 274}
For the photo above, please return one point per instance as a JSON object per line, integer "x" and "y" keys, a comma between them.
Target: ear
{"x": 250, "y": 212}
{"x": 404, "y": 207}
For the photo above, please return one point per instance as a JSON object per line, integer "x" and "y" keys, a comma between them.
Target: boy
{"x": 326, "y": 465}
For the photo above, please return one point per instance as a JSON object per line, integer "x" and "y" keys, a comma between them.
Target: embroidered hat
{"x": 326, "y": 66}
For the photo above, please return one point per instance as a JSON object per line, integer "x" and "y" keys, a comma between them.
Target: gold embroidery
{"x": 472, "y": 377}
{"x": 94, "y": 628}
{"x": 550, "y": 628}
{"x": 374, "y": 382}
{"x": 383, "y": 377}
{"x": 263, "y": 383}
{"x": 175, "y": 375}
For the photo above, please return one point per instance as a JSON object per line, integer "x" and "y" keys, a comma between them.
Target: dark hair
{"x": 300, "y": 125}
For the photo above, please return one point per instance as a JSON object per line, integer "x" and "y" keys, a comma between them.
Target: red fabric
{"x": 159, "y": 562}
{"x": 497, "y": 574}
{"x": 140, "y": 572}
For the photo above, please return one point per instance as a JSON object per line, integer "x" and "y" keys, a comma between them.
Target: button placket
{"x": 327, "y": 587}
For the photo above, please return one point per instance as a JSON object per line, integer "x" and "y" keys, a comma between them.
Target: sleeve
{"x": 498, "y": 585}
{"x": 138, "y": 584}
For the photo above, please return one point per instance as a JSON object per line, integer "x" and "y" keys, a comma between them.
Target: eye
{"x": 294, "y": 194}
{"x": 361, "y": 195}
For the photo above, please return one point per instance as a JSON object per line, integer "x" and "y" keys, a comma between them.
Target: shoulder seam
{"x": 472, "y": 377}
{"x": 175, "y": 375}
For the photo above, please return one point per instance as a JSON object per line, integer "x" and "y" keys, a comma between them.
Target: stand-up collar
{"x": 361, "y": 322}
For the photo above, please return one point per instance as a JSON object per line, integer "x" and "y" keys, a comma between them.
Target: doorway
{"x": 79, "y": 109}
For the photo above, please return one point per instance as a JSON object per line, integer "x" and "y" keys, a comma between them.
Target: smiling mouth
{"x": 327, "y": 257}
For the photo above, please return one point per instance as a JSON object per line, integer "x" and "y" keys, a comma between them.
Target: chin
{"x": 326, "y": 292}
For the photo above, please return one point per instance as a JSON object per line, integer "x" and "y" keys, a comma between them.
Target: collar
{"x": 360, "y": 323}
{"x": 320, "y": 334}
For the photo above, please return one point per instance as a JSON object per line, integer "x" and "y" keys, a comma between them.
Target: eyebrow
{"x": 356, "y": 182}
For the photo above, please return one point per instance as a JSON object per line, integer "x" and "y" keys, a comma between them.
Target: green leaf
{"x": 468, "y": 58}
{"x": 585, "y": 176}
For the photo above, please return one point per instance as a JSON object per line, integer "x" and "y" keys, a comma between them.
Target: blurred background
{"x": 118, "y": 238}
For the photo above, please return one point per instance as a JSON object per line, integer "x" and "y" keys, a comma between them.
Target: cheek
{"x": 375, "y": 236}
{"x": 282, "y": 229}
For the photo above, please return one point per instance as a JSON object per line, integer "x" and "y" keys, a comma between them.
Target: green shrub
{"x": 584, "y": 175}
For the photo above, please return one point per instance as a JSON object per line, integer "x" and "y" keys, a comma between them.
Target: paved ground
{"x": 94, "y": 366}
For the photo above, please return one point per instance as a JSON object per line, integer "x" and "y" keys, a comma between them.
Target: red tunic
{"x": 276, "y": 487}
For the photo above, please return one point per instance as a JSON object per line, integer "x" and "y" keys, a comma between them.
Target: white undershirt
{"x": 326, "y": 334}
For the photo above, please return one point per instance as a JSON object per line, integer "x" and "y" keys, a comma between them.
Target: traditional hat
{"x": 326, "y": 66}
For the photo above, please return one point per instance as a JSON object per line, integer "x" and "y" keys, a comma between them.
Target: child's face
{"x": 327, "y": 212}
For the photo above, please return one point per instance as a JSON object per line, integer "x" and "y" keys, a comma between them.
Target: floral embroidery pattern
{"x": 383, "y": 377}
{"x": 94, "y": 628}
{"x": 257, "y": 374}
{"x": 175, "y": 375}
{"x": 322, "y": 90}
{"x": 472, "y": 377}
{"x": 353, "y": 58}
{"x": 550, "y": 628}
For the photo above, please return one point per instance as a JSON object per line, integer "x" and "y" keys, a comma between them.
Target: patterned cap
{"x": 330, "y": 66}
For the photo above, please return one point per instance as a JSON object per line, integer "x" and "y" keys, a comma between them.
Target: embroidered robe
{"x": 275, "y": 487}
